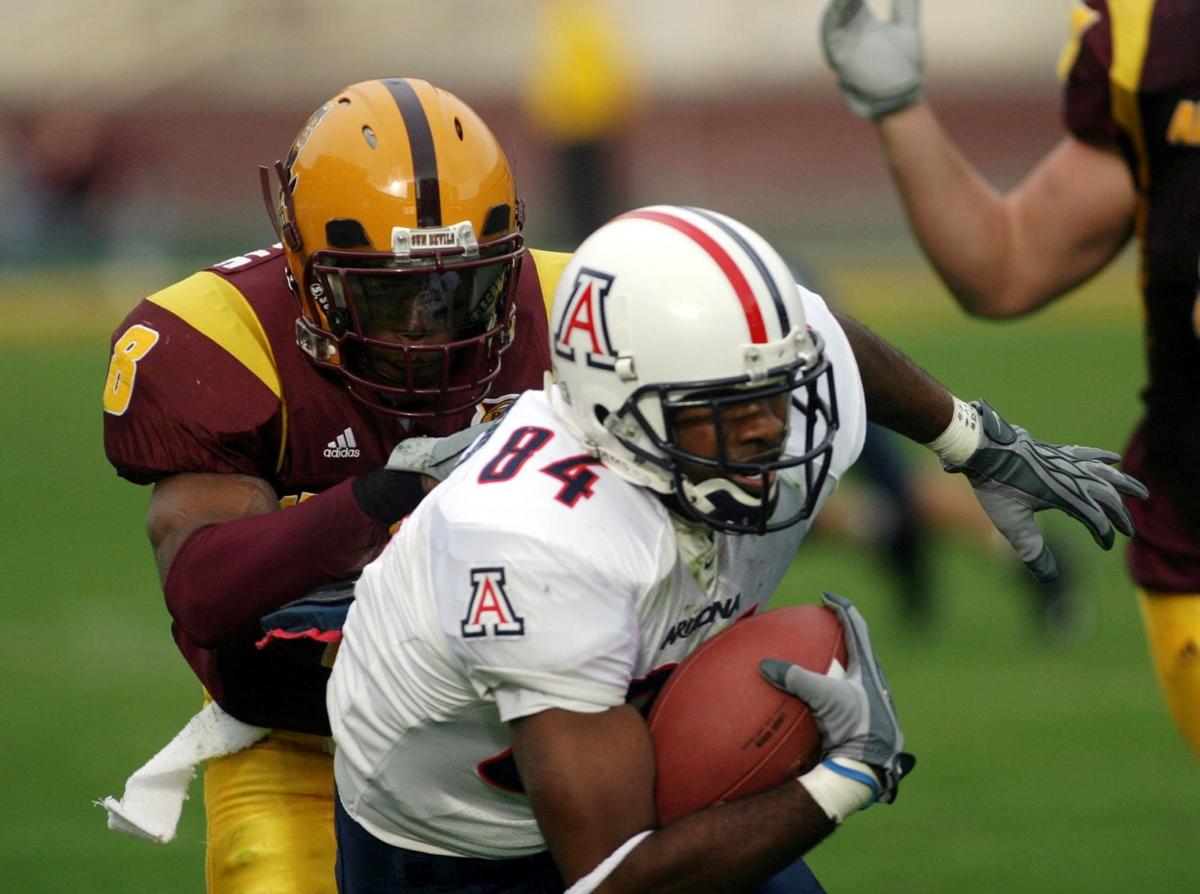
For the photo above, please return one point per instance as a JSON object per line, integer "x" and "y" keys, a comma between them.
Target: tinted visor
{"x": 418, "y": 303}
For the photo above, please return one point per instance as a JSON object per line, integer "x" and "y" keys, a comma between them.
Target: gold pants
{"x": 1172, "y": 622}
{"x": 270, "y": 818}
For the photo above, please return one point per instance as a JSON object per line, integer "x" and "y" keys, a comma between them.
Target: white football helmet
{"x": 665, "y": 308}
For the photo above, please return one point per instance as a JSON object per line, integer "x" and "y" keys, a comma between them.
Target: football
{"x": 720, "y": 730}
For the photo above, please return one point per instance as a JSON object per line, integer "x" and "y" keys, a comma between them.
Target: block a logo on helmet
{"x": 669, "y": 313}
{"x": 583, "y": 325}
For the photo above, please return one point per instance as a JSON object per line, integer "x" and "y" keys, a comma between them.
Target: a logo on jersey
{"x": 343, "y": 446}
{"x": 492, "y": 408}
{"x": 490, "y": 613}
{"x": 583, "y": 326}
{"x": 302, "y": 137}
{"x": 710, "y": 614}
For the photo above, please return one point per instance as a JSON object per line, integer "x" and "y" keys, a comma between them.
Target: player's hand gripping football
{"x": 1015, "y": 476}
{"x": 854, "y": 712}
{"x": 878, "y": 63}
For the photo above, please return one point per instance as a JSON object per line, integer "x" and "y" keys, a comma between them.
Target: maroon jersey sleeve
{"x": 192, "y": 386}
{"x": 1087, "y": 97}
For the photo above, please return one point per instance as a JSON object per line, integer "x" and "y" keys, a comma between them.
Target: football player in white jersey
{"x": 703, "y": 408}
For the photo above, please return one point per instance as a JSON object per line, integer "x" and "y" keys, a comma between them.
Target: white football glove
{"x": 878, "y": 63}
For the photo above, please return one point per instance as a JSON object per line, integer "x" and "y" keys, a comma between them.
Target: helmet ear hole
{"x": 600, "y": 412}
{"x": 458, "y": 129}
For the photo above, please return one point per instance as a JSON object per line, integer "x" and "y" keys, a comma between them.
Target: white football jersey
{"x": 533, "y": 578}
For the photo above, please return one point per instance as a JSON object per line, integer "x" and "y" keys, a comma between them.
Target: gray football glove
{"x": 1015, "y": 476}
{"x": 878, "y": 63}
{"x": 435, "y": 457}
{"x": 854, "y": 713}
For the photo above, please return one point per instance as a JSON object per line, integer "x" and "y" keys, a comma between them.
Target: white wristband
{"x": 955, "y": 445}
{"x": 841, "y": 786}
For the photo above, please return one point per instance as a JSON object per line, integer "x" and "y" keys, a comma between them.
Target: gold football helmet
{"x": 402, "y": 231}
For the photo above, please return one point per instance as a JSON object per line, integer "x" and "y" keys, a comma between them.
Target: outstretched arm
{"x": 900, "y": 395}
{"x": 226, "y": 557}
{"x": 1013, "y": 474}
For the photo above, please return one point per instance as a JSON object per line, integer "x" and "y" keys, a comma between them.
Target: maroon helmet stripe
{"x": 741, "y": 288}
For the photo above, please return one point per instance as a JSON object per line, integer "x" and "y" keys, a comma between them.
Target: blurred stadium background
{"x": 130, "y": 131}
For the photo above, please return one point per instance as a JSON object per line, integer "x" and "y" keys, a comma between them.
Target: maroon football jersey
{"x": 206, "y": 376}
{"x": 1136, "y": 80}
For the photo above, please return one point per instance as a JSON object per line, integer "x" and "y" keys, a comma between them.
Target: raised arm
{"x": 1001, "y": 255}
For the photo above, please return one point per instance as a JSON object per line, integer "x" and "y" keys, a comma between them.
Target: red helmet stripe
{"x": 754, "y": 319}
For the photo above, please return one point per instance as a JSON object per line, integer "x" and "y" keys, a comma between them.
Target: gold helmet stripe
{"x": 424, "y": 158}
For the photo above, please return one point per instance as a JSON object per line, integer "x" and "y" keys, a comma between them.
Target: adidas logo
{"x": 343, "y": 447}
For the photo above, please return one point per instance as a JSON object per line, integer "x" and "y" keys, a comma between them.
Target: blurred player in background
{"x": 263, "y": 399}
{"x": 579, "y": 96}
{"x": 1129, "y": 164}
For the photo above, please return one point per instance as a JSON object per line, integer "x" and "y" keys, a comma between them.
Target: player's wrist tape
{"x": 841, "y": 786}
{"x": 955, "y": 445}
{"x": 386, "y": 496}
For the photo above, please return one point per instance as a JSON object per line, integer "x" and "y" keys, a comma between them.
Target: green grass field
{"x": 1040, "y": 768}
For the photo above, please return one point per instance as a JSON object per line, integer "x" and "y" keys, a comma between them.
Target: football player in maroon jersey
{"x": 1128, "y": 164}
{"x": 262, "y": 398}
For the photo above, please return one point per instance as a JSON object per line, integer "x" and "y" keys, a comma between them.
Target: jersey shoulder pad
{"x": 1084, "y": 66}
{"x": 851, "y": 402}
{"x": 192, "y": 385}
{"x": 550, "y": 266}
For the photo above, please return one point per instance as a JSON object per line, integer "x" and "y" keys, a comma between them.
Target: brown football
{"x": 720, "y": 730}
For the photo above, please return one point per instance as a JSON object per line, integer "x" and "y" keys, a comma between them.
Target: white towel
{"x": 155, "y": 793}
